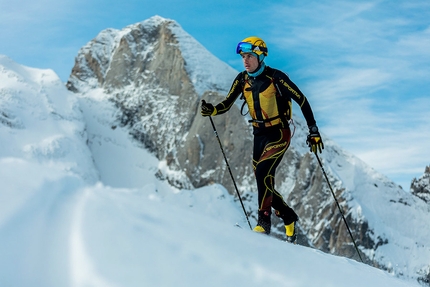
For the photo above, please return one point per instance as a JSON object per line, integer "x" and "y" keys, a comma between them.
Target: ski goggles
{"x": 245, "y": 47}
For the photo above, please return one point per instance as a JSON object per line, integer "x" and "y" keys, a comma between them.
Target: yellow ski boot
{"x": 263, "y": 223}
{"x": 291, "y": 232}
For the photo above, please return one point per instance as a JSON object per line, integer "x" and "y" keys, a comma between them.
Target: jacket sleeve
{"x": 233, "y": 94}
{"x": 287, "y": 87}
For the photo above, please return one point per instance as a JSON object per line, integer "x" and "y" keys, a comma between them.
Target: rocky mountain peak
{"x": 156, "y": 52}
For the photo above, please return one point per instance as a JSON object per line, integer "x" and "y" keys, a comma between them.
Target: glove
{"x": 207, "y": 109}
{"x": 314, "y": 140}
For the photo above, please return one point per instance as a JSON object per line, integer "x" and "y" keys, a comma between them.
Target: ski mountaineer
{"x": 268, "y": 93}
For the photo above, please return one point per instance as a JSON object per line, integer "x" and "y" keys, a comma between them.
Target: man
{"x": 268, "y": 93}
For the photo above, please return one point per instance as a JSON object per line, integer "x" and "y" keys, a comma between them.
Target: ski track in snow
{"x": 83, "y": 271}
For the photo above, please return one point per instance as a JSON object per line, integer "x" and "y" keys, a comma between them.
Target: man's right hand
{"x": 207, "y": 109}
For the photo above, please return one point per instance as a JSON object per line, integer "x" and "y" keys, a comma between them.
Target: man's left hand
{"x": 314, "y": 140}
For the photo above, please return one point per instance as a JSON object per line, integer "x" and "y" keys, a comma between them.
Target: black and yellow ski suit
{"x": 268, "y": 97}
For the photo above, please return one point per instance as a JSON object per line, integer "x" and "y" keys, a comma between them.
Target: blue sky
{"x": 364, "y": 65}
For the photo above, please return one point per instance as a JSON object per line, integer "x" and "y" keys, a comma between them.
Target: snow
{"x": 82, "y": 205}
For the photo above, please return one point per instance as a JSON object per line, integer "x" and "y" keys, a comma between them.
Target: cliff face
{"x": 421, "y": 187}
{"x": 154, "y": 75}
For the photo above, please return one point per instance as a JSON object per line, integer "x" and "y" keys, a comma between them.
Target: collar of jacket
{"x": 259, "y": 70}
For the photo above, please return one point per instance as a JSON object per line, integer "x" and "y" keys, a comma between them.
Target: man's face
{"x": 250, "y": 62}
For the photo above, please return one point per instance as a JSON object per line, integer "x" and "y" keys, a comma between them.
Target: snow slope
{"x": 61, "y": 226}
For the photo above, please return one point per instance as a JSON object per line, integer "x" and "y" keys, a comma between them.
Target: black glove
{"x": 207, "y": 109}
{"x": 314, "y": 140}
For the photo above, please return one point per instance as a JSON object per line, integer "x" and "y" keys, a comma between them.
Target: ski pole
{"x": 338, "y": 206}
{"x": 231, "y": 174}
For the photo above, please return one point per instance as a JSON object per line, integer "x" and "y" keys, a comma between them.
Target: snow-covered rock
{"x": 421, "y": 186}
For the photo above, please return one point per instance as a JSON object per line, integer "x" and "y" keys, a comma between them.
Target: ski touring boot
{"x": 290, "y": 231}
{"x": 263, "y": 223}
{"x": 290, "y": 225}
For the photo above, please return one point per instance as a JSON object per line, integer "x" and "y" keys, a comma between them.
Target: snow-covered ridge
{"x": 207, "y": 72}
{"x": 41, "y": 121}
